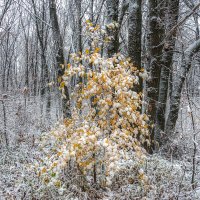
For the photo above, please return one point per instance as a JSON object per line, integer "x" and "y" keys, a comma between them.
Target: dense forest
{"x": 99, "y": 99}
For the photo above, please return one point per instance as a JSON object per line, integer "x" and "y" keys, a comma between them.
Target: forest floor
{"x": 169, "y": 180}
{"x": 168, "y": 177}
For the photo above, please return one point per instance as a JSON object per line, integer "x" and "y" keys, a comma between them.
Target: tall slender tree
{"x": 156, "y": 35}
{"x": 172, "y": 14}
{"x": 178, "y": 84}
{"x": 112, "y": 17}
{"x": 59, "y": 52}
{"x": 135, "y": 34}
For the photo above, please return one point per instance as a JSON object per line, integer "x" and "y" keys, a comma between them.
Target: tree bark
{"x": 155, "y": 38}
{"x": 135, "y": 35}
{"x": 177, "y": 89}
{"x": 58, "y": 42}
{"x": 166, "y": 68}
{"x": 113, "y": 14}
{"x": 79, "y": 25}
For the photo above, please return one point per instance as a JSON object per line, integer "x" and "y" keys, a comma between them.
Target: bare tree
{"x": 188, "y": 57}
{"x": 112, "y": 17}
{"x": 155, "y": 36}
{"x": 172, "y": 14}
{"x": 135, "y": 34}
{"x": 58, "y": 42}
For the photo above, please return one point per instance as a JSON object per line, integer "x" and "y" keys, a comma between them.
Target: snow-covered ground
{"x": 168, "y": 177}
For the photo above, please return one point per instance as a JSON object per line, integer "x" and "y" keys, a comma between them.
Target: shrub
{"x": 106, "y": 125}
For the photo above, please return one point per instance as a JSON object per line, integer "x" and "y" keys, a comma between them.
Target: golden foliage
{"x": 106, "y": 124}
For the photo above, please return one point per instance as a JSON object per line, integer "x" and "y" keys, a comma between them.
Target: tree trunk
{"x": 92, "y": 11}
{"x": 177, "y": 89}
{"x": 135, "y": 35}
{"x": 112, "y": 17}
{"x": 79, "y": 25}
{"x": 58, "y": 42}
{"x": 166, "y": 64}
{"x": 155, "y": 38}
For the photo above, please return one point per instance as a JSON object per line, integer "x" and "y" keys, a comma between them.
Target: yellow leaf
{"x": 87, "y": 51}
{"x": 68, "y": 65}
{"x": 57, "y": 184}
{"x": 62, "y": 85}
{"x": 96, "y": 28}
{"x": 77, "y": 146}
{"x": 59, "y": 153}
{"x": 142, "y": 70}
{"x": 97, "y": 49}
{"x": 44, "y": 170}
{"x": 54, "y": 164}
{"x": 88, "y": 21}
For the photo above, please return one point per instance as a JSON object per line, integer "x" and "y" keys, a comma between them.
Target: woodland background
{"x": 161, "y": 36}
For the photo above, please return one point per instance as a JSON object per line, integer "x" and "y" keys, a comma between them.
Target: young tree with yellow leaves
{"x": 110, "y": 127}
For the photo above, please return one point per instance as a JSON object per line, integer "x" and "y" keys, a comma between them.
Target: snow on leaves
{"x": 106, "y": 124}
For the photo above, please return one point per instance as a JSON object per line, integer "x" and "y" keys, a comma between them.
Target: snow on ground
{"x": 168, "y": 178}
